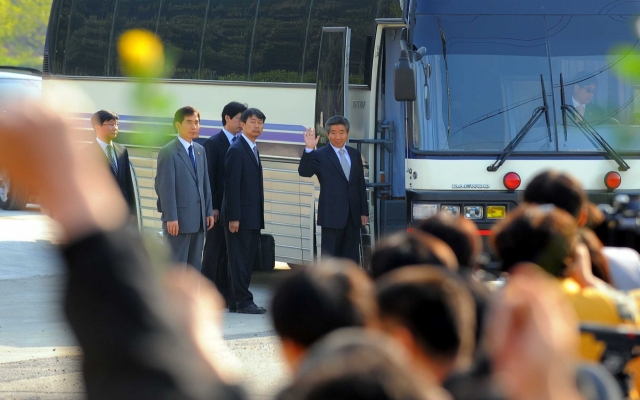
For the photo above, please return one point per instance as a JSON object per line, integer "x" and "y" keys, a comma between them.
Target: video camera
{"x": 621, "y": 227}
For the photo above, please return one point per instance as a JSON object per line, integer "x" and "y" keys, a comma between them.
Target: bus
{"x": 455, "y": 105}
{"x": 264, "y": 53}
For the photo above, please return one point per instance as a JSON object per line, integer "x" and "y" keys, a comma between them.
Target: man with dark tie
{"x": 105, "y": 124}
{"x": 243, "y": 209}
{"x": 584, "y": 90}
{"x": 214, "y": 261}
{"x": 182, "y": 185}
{"x": 342, "y": 207}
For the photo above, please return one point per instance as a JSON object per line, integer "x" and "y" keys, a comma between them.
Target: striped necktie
{"x": 112, "y": 160}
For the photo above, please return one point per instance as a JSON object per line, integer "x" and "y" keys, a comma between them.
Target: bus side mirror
{"x": 404, "y": 79}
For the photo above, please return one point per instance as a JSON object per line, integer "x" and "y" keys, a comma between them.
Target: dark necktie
{"x": 255, "y": 152}
{"x": 112, "y": 160}
{"x": 233, "y": 139}
{"x": 193, "y": 160}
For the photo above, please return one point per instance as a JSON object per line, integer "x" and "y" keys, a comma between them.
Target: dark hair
{"x": 460, "y": 234}
{"x": 251, "y": 112}
{"x": 543, "y": 235}
{"x": 336, "y": 120}
{"x": 435, "y": 306}
{"x": 599, "y": 264}
{"x": 410, "y": 248}
{"x": 584, "y": 78}
{"x": 232, "y": 109}
{"x": 102, "y": 116}
{"x": 185, "y": 111}
{"x": 323, "y": 298}
{"x": 557, "y": 188}
{"x": 357, "y": 364}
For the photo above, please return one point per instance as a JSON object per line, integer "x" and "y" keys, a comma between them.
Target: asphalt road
{"x": 39, "y": 357}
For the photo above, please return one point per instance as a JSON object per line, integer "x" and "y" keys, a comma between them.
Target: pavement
{"x": 39, "y": 356}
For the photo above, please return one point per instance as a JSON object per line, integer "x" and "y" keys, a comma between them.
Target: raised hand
{"x": 310, "y": 139}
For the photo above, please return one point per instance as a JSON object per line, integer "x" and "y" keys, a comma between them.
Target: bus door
{"x": 332, "y": 90}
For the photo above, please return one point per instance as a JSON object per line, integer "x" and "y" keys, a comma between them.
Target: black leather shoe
{"x": 252, "y": 309}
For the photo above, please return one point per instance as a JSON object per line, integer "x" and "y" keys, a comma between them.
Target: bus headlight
{"x": 473, "y": 212}
{"x": 423, "y": 210}
{"x": 453, "y": 210}
{"x": 496, "y": 212}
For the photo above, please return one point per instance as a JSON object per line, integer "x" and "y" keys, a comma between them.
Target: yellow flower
{"x": 141, "y": 54}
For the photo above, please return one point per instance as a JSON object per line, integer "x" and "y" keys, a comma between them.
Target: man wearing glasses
{"x": 105, "y": 124}
{"x": 584, "y": 90}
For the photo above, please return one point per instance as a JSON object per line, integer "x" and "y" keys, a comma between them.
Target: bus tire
{"x": 12, "y": 196}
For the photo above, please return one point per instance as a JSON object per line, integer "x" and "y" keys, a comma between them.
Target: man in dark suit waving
{"x": 243, "y": 208}
{"x": 214, "y": 261}
{"x": 182, "y": 185}
{"x": 342, "y": 207}
{"x": 105, "y": 124}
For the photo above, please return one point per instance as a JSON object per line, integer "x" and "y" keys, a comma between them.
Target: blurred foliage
{"x": 23, "y": 27}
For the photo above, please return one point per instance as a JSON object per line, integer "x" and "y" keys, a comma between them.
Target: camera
{"x": 621, "y": 227}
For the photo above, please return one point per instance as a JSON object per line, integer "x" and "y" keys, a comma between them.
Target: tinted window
{"x": 227, "y": 40}
{"x": 132, "y": 14}
{"x": 84, "y": 37}
{"x": 180, "y": 28}
{"x": 492, "y": 67}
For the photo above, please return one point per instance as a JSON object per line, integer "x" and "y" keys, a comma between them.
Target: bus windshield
{"x": 482, "y": 82}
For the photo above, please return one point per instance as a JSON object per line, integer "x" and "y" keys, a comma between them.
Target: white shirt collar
{"x": 229, "y": 135}
{"x": 576, "y": 103}
{"x": 186, "y": 145}
{"x": 103, "y": 144}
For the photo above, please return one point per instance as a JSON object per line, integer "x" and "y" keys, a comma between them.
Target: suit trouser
{"x": 214, "y": 262}
{"x": 242, "y": 249}
{"x": 343, "y": 243}
{"x": 187, "y": 248}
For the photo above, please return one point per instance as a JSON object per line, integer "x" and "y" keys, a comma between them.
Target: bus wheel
{"x": 12, "y": 196}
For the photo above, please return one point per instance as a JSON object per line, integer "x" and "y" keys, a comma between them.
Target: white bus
{"x": 263, "y": 53}
{"x": 486, "y": 95}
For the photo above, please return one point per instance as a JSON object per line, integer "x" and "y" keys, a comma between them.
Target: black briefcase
{"x": 266, "y": 257}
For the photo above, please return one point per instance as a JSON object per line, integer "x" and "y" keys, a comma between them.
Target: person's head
{"x": 460, "y": 234}
{"x": 186, "y": 122}
{"x": 105, "y": 124}
{"x": 337, "y": 128}
{"x": 584, "y": 87}
{"x": 560, "y": 189}
{"x": 252, "y": 123}
{"x": 432, "y": 313}
{"x": 318, "y": 300}
{"x": 599, "y": 264}
{"x": 358, "y": 364}
{"x": 232, "y": 116}
{"x": 410, "y": 248}
{"x": 543, "y": 235}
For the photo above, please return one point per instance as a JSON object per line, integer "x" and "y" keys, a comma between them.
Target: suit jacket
{"x": 594, "y": 113}
{"x": 338, "y": 196}
{"x": 123, "y": 177}
{"x": 243, "y": 190}
{"x": 182, "y": 195}
{"x": 216, "y": 148}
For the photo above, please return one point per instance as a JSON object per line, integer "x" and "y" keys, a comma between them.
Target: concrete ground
{"x": 39, "y": 357}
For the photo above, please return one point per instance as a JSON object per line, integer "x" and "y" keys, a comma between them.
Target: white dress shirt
{"x": 186, "y": 146}
{"x": 104, "y": 145}
{"x": 229, "y": 136}
{"x": 337, "y": 150}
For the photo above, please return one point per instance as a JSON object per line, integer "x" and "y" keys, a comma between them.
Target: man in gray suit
{"x": 184, "y": 194}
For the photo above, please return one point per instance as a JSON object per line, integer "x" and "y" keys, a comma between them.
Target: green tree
{"x": 23, "y": 26}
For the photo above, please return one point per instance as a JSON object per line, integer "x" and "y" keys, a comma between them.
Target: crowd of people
{"x": 417, "y": 323}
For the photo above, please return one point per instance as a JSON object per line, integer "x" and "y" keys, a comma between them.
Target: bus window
{"x": 226, "y": 43}
{"x": 180, "y": 28}
{"x": 278, "y": 41}
{"x": 132, "y": 14}
{"x": 85, "y": 38}
{"x": 485, "y": 82}
{"x": 583, "y": 50}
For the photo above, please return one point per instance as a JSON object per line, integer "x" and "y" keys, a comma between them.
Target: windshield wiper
{"x": 537, "y": 113}
{"x": 586, "y": 128}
